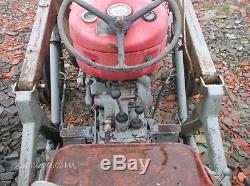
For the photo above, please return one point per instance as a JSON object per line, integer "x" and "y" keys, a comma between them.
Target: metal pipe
{"x": 180, "y": 81}
{"x": 189, "y": 140}
{"x": 62, "y": 125}
{"x": 119, "y": 105}
{"x": 54, "y": 76}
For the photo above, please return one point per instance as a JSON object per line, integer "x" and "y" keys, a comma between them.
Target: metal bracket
{"x": 210, "y": 107}
{"x": 165, "y": 132}
{"x": 77, "y": 135}
{"x": 32, "y": 118}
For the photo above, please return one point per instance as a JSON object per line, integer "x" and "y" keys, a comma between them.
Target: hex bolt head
{"x": 119, "y": 22}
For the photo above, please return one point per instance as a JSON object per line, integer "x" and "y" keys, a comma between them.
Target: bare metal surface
{"x": 197, "y": 47}
{"x": 39, "y": 43}
{"x": 210, "y": 106}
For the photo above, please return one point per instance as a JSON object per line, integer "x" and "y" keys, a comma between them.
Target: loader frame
{"x": 200, "y": 65}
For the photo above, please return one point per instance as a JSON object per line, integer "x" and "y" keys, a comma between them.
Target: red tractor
{"x": 117, "y": 45}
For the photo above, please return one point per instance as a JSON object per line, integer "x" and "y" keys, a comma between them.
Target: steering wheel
{"x": 120, "y": 25}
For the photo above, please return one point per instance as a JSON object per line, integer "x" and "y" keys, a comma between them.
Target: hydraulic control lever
{"x": 121, "y": 117}
{"x": 116, "y": 94}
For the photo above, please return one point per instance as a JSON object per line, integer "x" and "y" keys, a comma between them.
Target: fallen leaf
{"x": 241, "y": 176}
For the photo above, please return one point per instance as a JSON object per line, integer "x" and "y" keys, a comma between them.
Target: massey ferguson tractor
{"x": 117, "y": 46}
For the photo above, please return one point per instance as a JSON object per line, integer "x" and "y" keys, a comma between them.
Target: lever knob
{"x": 121, "y": 117}
{"x": 139, "y": 110}
{"x": 115, "y": 93}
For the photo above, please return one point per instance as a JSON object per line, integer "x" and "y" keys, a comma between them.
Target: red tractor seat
{"x": 170, "y": 164}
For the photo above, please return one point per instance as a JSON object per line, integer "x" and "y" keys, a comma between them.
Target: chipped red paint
{"x": 170, "y": 164}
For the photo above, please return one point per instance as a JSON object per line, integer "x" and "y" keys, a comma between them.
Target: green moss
{"x": 209, "y": 6}
{"x": 223, "y": 8}
{"x": 248, "y": 6}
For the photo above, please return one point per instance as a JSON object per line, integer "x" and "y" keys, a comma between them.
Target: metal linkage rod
{"x": 54, "y": 76}
{"x": 180, "y": 81}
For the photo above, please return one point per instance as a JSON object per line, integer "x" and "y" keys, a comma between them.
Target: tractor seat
{"x": 161, "y": 164}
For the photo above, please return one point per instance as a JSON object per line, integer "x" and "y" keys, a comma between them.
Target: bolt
{"x": 41, "y": 85}
{"x": 119, "y": 22}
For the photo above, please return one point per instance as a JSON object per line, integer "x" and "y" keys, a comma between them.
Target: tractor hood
{"x": 90, "y": 32}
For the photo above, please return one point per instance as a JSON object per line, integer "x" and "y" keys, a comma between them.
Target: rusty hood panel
{"x": 169, "y": 165}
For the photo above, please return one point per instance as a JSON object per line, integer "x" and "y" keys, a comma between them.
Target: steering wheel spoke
{"x": 120, "y": 48}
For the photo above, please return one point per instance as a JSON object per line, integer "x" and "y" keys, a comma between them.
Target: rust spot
{"x": 165, "y": 155}
{"x": 113, "y": 47}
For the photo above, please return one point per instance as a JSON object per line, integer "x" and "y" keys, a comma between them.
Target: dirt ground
{"x": 225, "y": 25}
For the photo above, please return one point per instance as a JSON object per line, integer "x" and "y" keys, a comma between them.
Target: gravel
{"x": 228, "y": 38}
{"x": 7, "y": 176}
{"x": 14, "y": 35}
